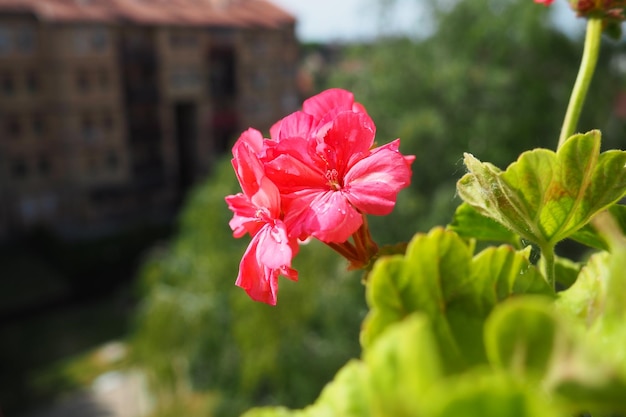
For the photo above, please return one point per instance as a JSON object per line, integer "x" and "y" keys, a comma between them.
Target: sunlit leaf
{"x": 439, "y": 278}
{"x": 345, "y": 396}
{"x": 482, "y": 394}
{"x": 403, "y": 365}
{"x": 589, "y": 236}
{"x": 529, "y": 339}
{"x": 546, "y": 196}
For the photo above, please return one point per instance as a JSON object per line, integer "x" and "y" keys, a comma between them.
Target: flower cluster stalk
{"x": 585, "y": 74}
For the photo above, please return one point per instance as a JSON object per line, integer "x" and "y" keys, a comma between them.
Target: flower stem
{"x": 549, "y": 265}
{"x": 585, "y": 74}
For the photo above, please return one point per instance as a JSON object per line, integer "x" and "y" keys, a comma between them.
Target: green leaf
{"x": 482, "y": 394}
{"x": 585, "y": 297}
{"x": 345, "y": 396}
{"x": 520, "y": 337}
{"x": 528, "y": 338}
{"x": 470, "y": 224}
{"x": 589, "y": 236}
{"x": 404, "y": 364}
{"x": 546, "y": 196}
{"x": 439, "y": 278}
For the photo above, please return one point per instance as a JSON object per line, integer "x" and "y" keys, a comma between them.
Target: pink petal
{"x": 258, "y": 278}
{"x": 274, "y": 250}
{"x": 292, "y": 175}
{"x": 350, "y": 137}
{"x": 248, "y": 167}
{"x": 298, "y": 124}
{"x": 252, "y": 138}
{"x": 259, "y": 281}
{"x": 326, "y": 215}
{"x": 244, "y": 219}
{"x": 326, "y": 101}
{"x": 373, "y": 183}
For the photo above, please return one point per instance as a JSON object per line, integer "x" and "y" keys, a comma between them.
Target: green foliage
{"x": 197, "y": 332}
{"x": 544, "y": 196}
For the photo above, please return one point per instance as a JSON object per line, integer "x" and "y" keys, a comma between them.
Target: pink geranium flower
{"x": 317, "y": 176}
{"x": 331, "y": 179}
{"x": 544, "y": 2}
{"x": 257, "y": 211}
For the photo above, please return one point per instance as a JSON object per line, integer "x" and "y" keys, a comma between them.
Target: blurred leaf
{"x": 345, "y": 396}
{"x": 545, "y": 196}
{"x": 438, "y": 277}
{"x": 527, "y": 338}
{"x": 403, "y": 365}
{"x": 482, "y": 394}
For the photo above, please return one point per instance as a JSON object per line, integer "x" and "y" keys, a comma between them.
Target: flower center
{"x": 333, "y": 179}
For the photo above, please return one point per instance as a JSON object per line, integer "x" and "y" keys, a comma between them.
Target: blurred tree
{"x": 493, "y": 79}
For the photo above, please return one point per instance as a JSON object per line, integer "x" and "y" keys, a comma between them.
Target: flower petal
{"x": 373, "y": 183}
{"x": 326, "y": 215}
{"x": 274, "y": 250}
{"x": 349, "y": 138}
{"x": 259, "y": 281}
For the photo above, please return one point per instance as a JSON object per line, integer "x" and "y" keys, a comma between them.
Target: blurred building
{"x": 111, "y": 109}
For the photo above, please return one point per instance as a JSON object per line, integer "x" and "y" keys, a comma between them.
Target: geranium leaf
{"x": 589, "y": 236}
{"x": 469, "y": 223}
{"x": 529, "y": 338}
{"x": 546, "y": 196}
{"x": 403, "y": 365}
{"x": 482, "y": 394}
{"x": 439, "y": 278}
{"x": 346, "y": 396}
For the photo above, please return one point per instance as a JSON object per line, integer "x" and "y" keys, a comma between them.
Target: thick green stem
{"x": 547, "y": 253}
{"x": 585, "y": 74}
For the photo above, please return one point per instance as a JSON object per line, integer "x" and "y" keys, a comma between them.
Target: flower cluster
{"x": 608, "y": 10}
{"x": 317, "y": 175}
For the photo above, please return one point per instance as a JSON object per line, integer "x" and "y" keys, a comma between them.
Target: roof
{"x": 161, "y": 12}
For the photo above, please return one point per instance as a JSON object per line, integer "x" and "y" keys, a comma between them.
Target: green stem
{"x": 549, "y": 265}
{"x": 585, "y": 74}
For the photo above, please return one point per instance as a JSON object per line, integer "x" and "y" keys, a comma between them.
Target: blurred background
{"x": 117, "y": 264}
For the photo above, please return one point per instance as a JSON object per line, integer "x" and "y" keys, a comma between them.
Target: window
{"x": 103, "y": 79}
{"x": 25, "y": 39}
{"x": 112, "y": 161}
{"x": 88, "y": 129}
{"x": 19, "y": 169}
{"x": 99, "y": 39}
{"x": 32, "y": 82}
{"x": 43, "y": 166}
{"x": 183, "y": 40}
{"x": 8, "y": 84}
{"x": 90, "y": 39}
{"x": 107, "y": 121}
{"x": 13, "y": 127}
{"x": 82, "y": 81}
{"x": 38, "y": 125}
{"x": 185, "y": 78}
{"x": 5, "y": 40}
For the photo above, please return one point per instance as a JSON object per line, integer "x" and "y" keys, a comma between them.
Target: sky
{"x": 347, "y": 20}
{"x": 359, "y": 20}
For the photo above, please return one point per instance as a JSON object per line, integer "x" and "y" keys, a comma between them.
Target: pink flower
{"x": 330, "y": 179}
{"x": 317, "y": 175}
{"x": 320, "y": 110}
{"x": 544, "y": 2}
{"x": 257, "y": 211}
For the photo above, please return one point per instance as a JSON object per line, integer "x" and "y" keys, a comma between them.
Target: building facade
{"x": 111, "y": 109}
